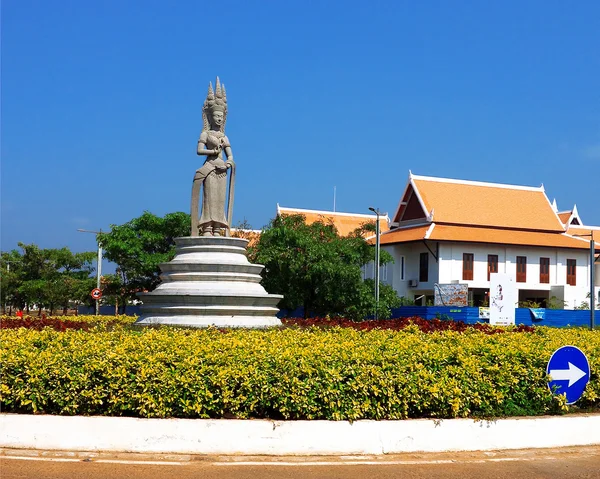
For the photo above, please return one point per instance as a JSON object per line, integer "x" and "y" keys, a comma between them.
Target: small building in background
{"x": 345, "y": 223}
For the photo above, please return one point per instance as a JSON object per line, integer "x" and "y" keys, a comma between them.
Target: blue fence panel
{"x": 108, "y": 310}
{"x": 564, "y": 317}
{"x": 457, "y": 313}
{"x": 558, "y": 318}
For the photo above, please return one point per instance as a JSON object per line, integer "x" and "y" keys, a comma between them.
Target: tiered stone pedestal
{"x": 210, "y": 282}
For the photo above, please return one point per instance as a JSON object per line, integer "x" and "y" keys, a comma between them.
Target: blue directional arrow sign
{"x": 569, "y": 372}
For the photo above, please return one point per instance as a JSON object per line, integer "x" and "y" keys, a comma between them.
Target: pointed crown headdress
{"x": 215, "y": 101}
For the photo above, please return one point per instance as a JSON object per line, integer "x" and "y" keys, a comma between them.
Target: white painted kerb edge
{"x": 263, "y": 437}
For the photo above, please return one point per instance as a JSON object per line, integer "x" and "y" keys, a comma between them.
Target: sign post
{"x": 569, "y": 372}
{"x": 503, "y": 298}
{"x": 592, "y": 283}
{"x": 96, "y": 294}
{"x": 98, "y": 269}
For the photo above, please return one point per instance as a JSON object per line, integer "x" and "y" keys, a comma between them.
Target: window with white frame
{"x": 383, "y": 272}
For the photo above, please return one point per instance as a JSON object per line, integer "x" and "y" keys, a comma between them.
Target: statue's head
{"x": 218, "y": 117}
{"x": 215, "y": 106}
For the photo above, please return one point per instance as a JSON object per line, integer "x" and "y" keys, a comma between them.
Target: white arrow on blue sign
{"x": 569, "y": 372}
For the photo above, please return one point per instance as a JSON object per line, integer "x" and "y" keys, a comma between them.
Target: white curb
{"x": 264, "y": 437}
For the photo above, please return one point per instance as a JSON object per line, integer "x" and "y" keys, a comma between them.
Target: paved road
{"x": 582, "y": 462}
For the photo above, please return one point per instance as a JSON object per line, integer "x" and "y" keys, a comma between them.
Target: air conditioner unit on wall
{"x": 413, "y": 283}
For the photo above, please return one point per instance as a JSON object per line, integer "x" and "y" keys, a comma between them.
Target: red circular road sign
{"x": 96, "y": 293}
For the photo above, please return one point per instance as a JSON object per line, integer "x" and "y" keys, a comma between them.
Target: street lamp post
{"x": 592, "y": 288}
{"x": 99, "y": 268}
{"x": 376, "y": 211}
{"x": 7, "y": 271}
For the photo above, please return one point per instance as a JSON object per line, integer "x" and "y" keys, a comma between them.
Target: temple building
{"x": 447, "y": 231}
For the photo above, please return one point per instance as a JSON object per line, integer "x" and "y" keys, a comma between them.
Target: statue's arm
{"x": 202, "y": 146}
{"x": 229, "y": 154}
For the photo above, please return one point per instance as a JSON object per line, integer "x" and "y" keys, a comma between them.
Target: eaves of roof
{"x": 502, "y": 236}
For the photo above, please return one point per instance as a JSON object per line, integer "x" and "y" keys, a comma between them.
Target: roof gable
{"x": 564, "y": 217}
{"x": 410, "y": 207}
{"x": 570, "y": 217}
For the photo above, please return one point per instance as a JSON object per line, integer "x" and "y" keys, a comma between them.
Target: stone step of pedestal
{"x": 213, "y": 258}
{"x": 208, "y": 310}
{"x": 216, "y": 299}
{"x": 211, "y": 248}
{"x": 203, "y": 288}
{"x": 238, "y": 321}
{"x": 228, "y": 249}
{"x": 198, "y": 242}
{"x": 210, "y": 276}
{"x": 211, "y": 267}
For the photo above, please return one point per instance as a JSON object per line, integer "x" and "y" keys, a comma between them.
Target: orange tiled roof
{"x": 486, "y": 204}
{"x": 564, "y": 217}
{"x": 441, "y": 232}
{"x": 403, "y": 235}
{"x": 345, "y": 223}
{"x": 504, "y": 236}
{"x": 251, "y": 235}
{"x": 586, "y": 230}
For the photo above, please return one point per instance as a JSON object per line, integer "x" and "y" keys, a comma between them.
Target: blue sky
{"x": 101, "y": 104}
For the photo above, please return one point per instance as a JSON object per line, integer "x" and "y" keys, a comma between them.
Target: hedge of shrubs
{"x": 62, "y": 323}
{"x": 89, "y": 322}
{"x": 292, "y": 373}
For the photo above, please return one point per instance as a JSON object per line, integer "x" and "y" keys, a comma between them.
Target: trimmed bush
{"x": 335, "y": 373}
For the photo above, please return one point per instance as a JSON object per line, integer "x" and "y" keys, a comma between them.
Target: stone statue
{"x": 213, "y": 174}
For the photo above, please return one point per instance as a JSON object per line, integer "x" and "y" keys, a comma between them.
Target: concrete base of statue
{"x": 210, "y": 282}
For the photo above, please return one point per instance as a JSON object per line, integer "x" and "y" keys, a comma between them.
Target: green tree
{"x": 586, "y": 304}
{"x": 113, "y": 291}
{"x": 46, "y": 277}
{"x": 316, "y": 268}
{"x": 139, "y": 246}
{"x": 555, "y": 303}
{"x": 11, "y": 265}
{"x": 365, "y": 304}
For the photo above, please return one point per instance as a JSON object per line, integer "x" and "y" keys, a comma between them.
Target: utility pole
{"x": 376, "y": 211}
{"x": 334, "y": 199}
{"x": 7, "y": 272}
{"x": 99, "y": 268}
{"x": 592, "y": 288}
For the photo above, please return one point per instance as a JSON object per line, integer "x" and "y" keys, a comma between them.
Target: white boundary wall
{"x": 264, "y": 437}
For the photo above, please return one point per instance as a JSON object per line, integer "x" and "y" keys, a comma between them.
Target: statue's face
{"x": 218, "y": 117}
